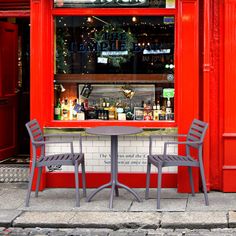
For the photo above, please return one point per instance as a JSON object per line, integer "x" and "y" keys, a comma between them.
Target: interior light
{"x": 134, "y": 19}
{"x": 89, "y": 19}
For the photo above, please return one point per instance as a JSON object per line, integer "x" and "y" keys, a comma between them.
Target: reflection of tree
{"x": 63, "y": 58}
{"x": 112, "y": 35}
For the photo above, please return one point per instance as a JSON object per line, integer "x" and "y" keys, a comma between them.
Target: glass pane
{"x": 115, "y": 3}
{"x": 123, "y": 64}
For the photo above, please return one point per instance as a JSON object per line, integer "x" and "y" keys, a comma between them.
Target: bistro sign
{"x": 100, "y": 3}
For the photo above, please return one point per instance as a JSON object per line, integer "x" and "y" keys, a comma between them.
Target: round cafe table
{"x": 114, "y": 132}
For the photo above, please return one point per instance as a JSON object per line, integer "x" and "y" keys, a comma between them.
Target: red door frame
{"x": 8, "y": 85}
{"x": 186, "y": 74}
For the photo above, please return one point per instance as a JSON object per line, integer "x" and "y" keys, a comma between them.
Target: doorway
{"x": 20, "y": 150}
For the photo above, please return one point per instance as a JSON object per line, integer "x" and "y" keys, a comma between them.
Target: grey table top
{"x": 114, "y": 130}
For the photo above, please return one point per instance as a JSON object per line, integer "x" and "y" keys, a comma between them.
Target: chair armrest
{"x": 161, "y": 136}
{"x": 177, "y": 142}
{"x": 40, "y": 143}
{"x": 168, "y": 135}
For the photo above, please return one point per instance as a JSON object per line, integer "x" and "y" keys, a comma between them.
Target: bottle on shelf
{"x": 155, "y": 111}
{"x": 65, "y": 110}
{"x": 81, "y": 113}
{"x": 168, "y": 110}
{"x": 148, "y": 115}
{"x": 57, "y": 110}
{"x": 75, "y": 109}
{"x": 112, "y": 112}
{"x": 70, "y": 109}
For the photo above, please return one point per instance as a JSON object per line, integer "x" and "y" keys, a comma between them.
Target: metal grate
{"x": 14, "y": 173}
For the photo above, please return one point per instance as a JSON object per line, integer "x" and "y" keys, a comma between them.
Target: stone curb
{"x": 7, "y": 217}
{"x": 110, "y": 220}
{"x": 118, "y": 220}
{"x": 194, "y": 220}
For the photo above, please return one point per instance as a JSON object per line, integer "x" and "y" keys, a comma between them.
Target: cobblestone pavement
{"x": 108, "y": 232}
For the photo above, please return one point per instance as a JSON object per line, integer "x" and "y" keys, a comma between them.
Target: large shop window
{"x": 114, "y": 68}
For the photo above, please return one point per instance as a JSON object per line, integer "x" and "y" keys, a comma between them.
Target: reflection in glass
{"x": 115, "y": 45}
{"x": 115, "y": 68}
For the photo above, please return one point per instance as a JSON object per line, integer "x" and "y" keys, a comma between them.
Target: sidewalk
{"x": 178, "y": 211}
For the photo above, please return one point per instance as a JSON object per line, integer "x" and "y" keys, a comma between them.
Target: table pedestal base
{"x": 114, "y": 190}
{"x": 114, "y": 183}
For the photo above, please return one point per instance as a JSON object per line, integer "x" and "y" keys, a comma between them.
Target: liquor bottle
{"x": 104, "y": 103}
{"x": 81, "y": 113}
{"x": 155, "y": 111}
{"x": 168, "y": 109}
{"x": 112, "y": 112}
{"x": 119, "y": 110}
{"x": 158, "y": 105}
{"x": 65, "y": 110}
{"x": 70, "y": 110}
{"x": 148, "y": 115}
{"x": 168, "y": 106}
{"x": 57, "y": 110}
{"x": 75, "y": 109}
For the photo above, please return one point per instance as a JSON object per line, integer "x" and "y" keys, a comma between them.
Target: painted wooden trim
{"x": 94, "y": 180}
{"x": 188, "y": 79}
{"x": 14, "y": 13}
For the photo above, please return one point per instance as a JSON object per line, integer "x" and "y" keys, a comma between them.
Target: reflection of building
{"x": 199, "y": 67}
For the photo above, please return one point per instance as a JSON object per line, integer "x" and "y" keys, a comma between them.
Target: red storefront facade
{"x": 204, "y": 82}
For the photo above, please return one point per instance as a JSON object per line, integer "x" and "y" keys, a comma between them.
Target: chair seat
{"x": 60, "y": 159}
{"x": 172, "y": 160}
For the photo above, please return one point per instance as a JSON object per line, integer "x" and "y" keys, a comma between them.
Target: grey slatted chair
{"x": 194, "y": 139}
{"x": 41, "y": 160}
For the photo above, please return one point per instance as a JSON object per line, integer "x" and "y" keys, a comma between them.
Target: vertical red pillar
{"x": 228, "y": 88}
{"x": 40, "y": 61}
{"x": 206, "y": 87}
{"x": 188, "y": 74}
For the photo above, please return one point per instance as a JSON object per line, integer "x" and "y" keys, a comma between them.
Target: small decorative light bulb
{"x": 134, "y": 19}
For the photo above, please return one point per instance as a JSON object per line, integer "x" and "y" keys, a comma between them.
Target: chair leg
{"x": 83, "y": 179}
{"x": 204, "y": 183}
{"x": 29, "y": 187}
{"x": 148, "y": 180}
{"x": 190, "y": 172}
{"x": 159, "y": 179}
{"x": 77, "y": 184}
{"x": 38, "y": 181}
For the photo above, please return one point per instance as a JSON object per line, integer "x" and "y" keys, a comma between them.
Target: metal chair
{"x": 194, "y": 139}
{"x": 41, "y": 160}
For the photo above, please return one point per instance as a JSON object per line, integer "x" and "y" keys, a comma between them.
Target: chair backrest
{"x": 34, "y": 130}
{"x": 197, "y": 132}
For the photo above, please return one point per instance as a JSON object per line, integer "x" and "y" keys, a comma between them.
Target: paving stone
{"x": 215, "y": 202}
{"x": 193, "y": 220}
{"x": 224, "y": 230}
{"x": 166, "y": 205}
{"x": 18, "y": 231}
{"x": 130, "y": 232}
{"x": 168, "y": 193}
{"x": 66, "y": 201}
{"x": 89, "y": 232}
{"x": 7, "y": 217}
{"x": 12, "y": 198}
{"x": 46, "y": 200}
{"x": 193, "y": 232}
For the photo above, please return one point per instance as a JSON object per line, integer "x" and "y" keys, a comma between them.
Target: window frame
{"x": 115, "y": 12}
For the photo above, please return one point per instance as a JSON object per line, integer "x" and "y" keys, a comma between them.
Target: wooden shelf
{"x": 115, "y": 78}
